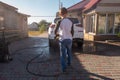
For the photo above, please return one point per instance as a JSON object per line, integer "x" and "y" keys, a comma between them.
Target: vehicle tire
{"x": 50, "y": 43}
{"x": 6, "y": 58}
{"x": 79, "y": 44}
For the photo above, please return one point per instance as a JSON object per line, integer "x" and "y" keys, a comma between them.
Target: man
{"x": 65, "y": 38}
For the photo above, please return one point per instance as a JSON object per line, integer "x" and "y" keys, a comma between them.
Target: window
{"x": 91, "y": 25}
{"x": 102, "y": 24}
{"x": 106, "y": 23}
{"x": 117, "y": 24}
{"x": 110, "y": 24}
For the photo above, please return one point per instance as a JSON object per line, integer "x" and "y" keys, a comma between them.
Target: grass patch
{"x": 34, "y": 33}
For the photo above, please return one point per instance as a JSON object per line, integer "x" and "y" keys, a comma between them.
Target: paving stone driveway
{"x": 33, "y": 61}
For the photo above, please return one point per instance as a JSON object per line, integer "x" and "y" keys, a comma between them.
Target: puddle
{"x": 100, "y": 48}
{"x": 90, "y": 46}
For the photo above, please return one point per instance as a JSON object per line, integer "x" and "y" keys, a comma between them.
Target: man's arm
{"x": 57, "y": 27}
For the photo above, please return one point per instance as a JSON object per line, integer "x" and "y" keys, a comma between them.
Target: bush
{"x": 42, "y": 28}
{"x": 118, "y": 34}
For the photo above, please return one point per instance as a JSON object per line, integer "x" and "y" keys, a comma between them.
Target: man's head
{"x": 63, "y": 12}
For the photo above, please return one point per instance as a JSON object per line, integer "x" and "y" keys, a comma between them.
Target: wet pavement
{"x": 32, "y": 60}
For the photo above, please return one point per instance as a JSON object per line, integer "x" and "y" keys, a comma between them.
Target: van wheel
{"x": 50, "y": 46}
{"x": 50, "y": 43}
{"x": 79, "y": 44}
{"x": 6, "y": 58}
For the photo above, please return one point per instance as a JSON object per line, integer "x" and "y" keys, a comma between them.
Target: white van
{"x": 78, "y": 32}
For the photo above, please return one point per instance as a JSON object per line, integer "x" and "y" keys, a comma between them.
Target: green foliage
{"x": 42, "y": 22}
{"x": 43, "y": 25}
{"x": 118, "y": 34}
{"x": 101, "y": 31}
{"x": 42, "y": 28}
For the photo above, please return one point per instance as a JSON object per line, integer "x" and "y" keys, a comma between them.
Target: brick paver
{"x": 33, "y": 61}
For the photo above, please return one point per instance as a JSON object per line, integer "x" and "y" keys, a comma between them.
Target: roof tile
{"x": 79, "y": 5}
{"x": 91, "y": 4}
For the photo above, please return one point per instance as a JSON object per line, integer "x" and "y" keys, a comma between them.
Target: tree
{"x": 42, "y": 22}
{"x": 43, "y": 25}
{"x": 42, "y": 28}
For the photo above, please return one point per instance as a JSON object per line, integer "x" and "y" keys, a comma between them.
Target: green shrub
{"x": 118, "y": 34}
{"x": 42, "y": 28}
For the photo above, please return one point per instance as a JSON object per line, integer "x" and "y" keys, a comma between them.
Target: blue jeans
{"x": 65, "y": 52}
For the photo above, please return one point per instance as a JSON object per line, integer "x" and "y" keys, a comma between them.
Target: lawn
{"x": 34, "y": 33}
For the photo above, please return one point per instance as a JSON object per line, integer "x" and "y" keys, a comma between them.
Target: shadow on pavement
{"x": 77, "y": 71}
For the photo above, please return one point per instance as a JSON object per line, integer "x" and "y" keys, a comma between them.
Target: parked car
{"x": 78, "y": 32}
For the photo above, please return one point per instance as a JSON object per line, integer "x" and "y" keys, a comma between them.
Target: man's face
{"x": 60, "y": 13}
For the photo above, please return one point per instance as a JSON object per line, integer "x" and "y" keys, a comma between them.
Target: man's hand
{"x": 57, "y": 37}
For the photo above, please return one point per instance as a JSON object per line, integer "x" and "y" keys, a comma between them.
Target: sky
{"x": 39, "y": 8}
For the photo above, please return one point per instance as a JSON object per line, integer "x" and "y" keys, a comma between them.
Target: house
{"x": 101, "y": 19}
{"x": 13, "y": 22}
{"x": 33, "y": 26}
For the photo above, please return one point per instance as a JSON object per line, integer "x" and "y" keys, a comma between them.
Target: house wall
{"x": 76, "y": 14}
{"x": 15, "y": 24}
{"x": 25, "y": 26}
{"x": 22, "y": 25}
{"x": 10, "y": 19}
{"x": 91, "y": 37}
{"x": 72, "y": 14}
{"x": 1, "y": 16}
{"x": 108, "y": 6}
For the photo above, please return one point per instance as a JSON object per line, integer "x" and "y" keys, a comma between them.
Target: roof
{"x": 24, "y": 14}
{"x": 78, "y": 6}
{"x": 13, "y": 8}
{"x": 8, "y": 6}
{"x": 91, "y": 4}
